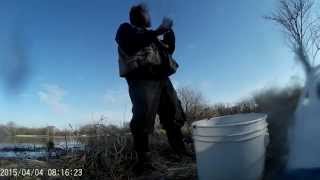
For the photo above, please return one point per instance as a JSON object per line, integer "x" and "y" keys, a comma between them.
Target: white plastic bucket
{"x": 231, "y": 147}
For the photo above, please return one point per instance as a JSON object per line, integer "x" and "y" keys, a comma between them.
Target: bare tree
{"x": 298, "y": 21}
{"x": 194, "y": 105}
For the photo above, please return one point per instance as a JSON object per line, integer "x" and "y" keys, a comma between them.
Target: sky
{"x": 226, "y": 50}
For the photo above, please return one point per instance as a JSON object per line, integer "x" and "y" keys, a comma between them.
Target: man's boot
{"x": 144, "y": 164}
{"x": 175, "y": 139}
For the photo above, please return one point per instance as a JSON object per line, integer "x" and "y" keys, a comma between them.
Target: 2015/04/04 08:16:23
{"x": 24, "y": 172}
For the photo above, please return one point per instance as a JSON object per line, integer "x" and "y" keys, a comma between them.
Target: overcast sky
{"x": 225, "y": 49}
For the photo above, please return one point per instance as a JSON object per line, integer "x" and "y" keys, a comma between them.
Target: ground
{"x": 112, "y": 162}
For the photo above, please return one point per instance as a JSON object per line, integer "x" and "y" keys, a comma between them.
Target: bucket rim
{"x": 263, "y": 117}
{"x": 226, "y": 140}
{"x": 263, "y": 128}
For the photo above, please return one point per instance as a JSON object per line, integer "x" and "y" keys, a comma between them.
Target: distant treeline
{"x": 11, "y": 129}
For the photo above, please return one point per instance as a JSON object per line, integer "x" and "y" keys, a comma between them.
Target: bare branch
{"x": 297, "y": 20}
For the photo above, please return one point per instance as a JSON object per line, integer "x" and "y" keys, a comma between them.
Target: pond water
{"x": 35, "y": 147}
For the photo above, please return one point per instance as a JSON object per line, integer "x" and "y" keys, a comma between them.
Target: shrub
{"x": 280, "y": 105}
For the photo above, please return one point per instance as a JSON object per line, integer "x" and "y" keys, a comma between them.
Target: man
{"x": 150, "y": 89}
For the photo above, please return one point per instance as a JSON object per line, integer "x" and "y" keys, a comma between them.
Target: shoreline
{"x": 37, "y": 136}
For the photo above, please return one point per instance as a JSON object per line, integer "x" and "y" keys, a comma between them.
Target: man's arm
{"x": 169, "y": 41}
{"x": 131, "y": 39}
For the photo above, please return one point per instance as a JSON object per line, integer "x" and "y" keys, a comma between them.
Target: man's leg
{"x": 144, "y": 95}
{"x": 172, "y": 117}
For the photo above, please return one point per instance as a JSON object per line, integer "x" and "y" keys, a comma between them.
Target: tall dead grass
{"x": 109, "y": 150}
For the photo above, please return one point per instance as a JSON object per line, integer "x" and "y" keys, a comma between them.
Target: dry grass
{"x": 109, "y": 155}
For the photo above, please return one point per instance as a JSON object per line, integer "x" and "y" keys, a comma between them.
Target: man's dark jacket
{"x": 132, "y": 39}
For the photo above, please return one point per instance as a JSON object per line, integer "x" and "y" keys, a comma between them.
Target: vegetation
{"x": 109, "y": 154}
{"x": 280, "y": 106}
{"x": 11, "y": 129}
{"x": 299, "y": 21}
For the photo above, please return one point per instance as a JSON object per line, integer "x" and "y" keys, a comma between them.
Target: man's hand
{"x": 167, "y": 22}
{"x": 165, "y": 26}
